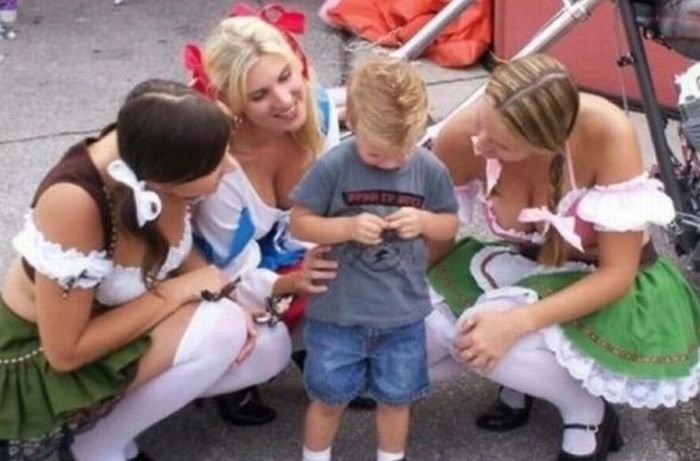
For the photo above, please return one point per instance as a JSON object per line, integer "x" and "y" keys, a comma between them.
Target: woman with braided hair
{"x": 575, "y": 308}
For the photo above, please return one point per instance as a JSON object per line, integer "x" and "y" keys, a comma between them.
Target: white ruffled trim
{"x": 567, "y": 201}
{"x": 615, "y": 387}
{"x": 520, "y": 236}
{"x": 176, "y": 255}
{"x": 627, "y": 206}
{"x": 70, "y": 268}
{"x": 518, "y": 267}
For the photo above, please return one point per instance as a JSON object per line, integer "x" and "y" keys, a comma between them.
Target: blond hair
{"x": 387, "y": 101}
{"x": 538, "y": 101}
{"x": 232, "y": 50}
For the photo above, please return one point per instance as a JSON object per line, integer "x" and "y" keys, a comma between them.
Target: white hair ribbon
{"x": 148, "y": 204}
{"x": 565, "y": 225}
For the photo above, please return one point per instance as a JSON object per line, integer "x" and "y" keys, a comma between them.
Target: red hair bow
{"x": 193, "y": 62}
{"x": 287, "y": 22}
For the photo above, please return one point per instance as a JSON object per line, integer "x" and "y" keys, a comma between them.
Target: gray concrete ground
{"x": 64, "y": 76}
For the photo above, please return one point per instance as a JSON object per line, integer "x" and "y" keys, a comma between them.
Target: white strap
{"x": 148, "y": 204}
{"x": 565, "y": 225}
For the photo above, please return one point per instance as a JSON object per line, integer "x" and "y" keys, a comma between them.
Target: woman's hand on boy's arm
{"x": 411, "y": 222}
{"x": 312, "y": 277}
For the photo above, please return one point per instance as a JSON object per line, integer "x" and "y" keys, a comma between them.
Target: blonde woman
{"x": 577, "y": 309}
{"x": 281, "y": 120}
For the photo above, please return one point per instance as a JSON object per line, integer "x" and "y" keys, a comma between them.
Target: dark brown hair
{"x": 166, "y": 133}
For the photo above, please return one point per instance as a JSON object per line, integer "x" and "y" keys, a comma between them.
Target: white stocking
{"x": 271, "y": 355}
{"x": 213, "y": 338}
{"x": 439, "y": 335}
{"x": 531, "y": 368}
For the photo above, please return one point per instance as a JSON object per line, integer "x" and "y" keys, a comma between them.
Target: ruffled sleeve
{"x": 627, "y": 206}
{"x": 70, "y": 268}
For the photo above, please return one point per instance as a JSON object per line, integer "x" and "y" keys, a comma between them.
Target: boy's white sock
{"x": 386, "y": 456}
{"x": 310, "y": 455}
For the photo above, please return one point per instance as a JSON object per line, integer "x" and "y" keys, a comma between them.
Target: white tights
{"x": 201, "y": 367}
{"x": 528, "y": 367}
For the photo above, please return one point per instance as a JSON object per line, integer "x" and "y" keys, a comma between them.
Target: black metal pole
{"x": 652, "y": 111}
{"x": 655, "y": 120}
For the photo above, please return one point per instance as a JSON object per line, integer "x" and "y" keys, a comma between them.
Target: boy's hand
{"x": 408, "y": 222}
{"x": 366, "y": 228}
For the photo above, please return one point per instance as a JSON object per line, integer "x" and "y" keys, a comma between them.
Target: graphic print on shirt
{"x": 393, "y": 251}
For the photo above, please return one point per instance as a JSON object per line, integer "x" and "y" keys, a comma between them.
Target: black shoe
{"x": 244, "y": 408}
{"x": 299, "y": 357}
{"x": 362, "y": 403}
{"x": 607, "y": 437}
{"x": 142, "y": 457}
{"x": 501, "y": 417}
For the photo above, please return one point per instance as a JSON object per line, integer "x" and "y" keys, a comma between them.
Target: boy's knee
{"x": 325, "y": 410}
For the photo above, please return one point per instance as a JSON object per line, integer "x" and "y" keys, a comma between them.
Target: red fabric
{"x": 296, "y": 310}
{"x": 193, "y": 63}
{"x": 461, "y": 43}
{"x": 288, "y": 22}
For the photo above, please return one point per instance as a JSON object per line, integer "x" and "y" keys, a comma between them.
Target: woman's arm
{"x": 453, "y": 146}
{"x": 69, "y": 332}
{"x": 72, "y": 337}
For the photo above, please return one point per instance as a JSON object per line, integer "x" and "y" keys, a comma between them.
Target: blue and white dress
{"x": 244, "y": 236}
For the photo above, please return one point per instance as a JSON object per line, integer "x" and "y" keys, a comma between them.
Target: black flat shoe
{"x": 244, "y": 408}
{"x": 607, "y": 437}
{"x": 362, "y": 403}
{"x": 299, "y": 357}
{"x": 501, "y": 417}
{"x": 142, "y": 457}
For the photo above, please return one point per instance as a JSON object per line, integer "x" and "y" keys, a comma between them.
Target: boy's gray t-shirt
{"x": 380, "y": 286}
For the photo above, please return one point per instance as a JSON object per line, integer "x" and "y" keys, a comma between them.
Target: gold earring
{"x": 236, "y": 121}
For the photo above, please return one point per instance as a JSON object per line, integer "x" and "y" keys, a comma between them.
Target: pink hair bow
{"x": 290, "y": 23}
{"x": 565, "y": 225}
{"x": 194, "y": 63}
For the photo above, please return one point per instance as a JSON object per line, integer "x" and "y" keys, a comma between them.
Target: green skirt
{"x": 641, "y": 349}
{"x": 38, "y": 403}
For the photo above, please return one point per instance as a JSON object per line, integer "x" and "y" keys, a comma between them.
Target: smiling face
{"x": 275, "y": 97}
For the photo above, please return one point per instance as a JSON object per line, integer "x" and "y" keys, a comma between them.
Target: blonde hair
{"x": 232, "y": 50}
{"x": 387, "y": 101}
{"x": 538, "y": 100}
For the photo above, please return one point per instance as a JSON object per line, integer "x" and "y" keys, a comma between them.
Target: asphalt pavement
{"x": 64, "y": 76}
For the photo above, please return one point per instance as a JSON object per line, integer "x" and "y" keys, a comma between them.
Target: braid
{"x": 553, "y": 251}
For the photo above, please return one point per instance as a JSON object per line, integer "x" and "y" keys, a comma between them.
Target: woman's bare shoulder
{"x": 68, "y": 215}
{"x": 453, "y": 145}
{"x": 611, "y": 140}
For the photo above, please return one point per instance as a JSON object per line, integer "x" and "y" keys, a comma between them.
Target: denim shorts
{"x": 387, "y": 364}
